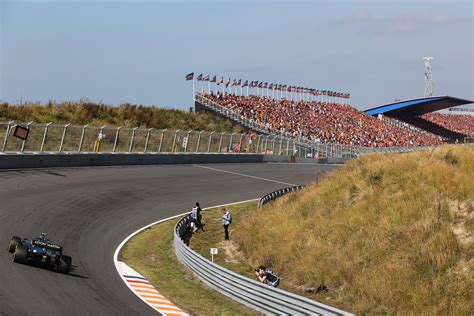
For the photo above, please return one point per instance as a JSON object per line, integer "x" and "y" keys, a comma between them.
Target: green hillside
{"x": 387, "y": 234}
{"x": 131, "y": 115}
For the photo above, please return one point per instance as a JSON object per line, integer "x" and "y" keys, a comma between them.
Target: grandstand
{"x": 316, "y": 117}
{"x": 420, "y": 113}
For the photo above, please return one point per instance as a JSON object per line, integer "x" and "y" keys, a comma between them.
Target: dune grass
{"x": 387, "y": 234}
{"x": 131, "y": 115}
{"x": 152, "y": 254}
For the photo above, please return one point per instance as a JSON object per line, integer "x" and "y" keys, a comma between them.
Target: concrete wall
{"x": 16, "y": 161}
{"x": 19, "y": 161}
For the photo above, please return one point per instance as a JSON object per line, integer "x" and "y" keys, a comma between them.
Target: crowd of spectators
{"x": 459, "y": 123}
{"x": 323, "y": 122}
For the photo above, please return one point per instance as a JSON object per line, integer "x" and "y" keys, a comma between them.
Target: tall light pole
{"x": 428, "y": 76}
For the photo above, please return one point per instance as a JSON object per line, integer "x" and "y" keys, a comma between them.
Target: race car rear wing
{"x": 47, "y": 245}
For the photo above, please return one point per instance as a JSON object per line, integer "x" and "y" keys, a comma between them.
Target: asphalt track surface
{"x": 91, "y": 210}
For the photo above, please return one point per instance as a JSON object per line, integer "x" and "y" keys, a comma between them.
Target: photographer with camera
{"x": 267, "y": 276}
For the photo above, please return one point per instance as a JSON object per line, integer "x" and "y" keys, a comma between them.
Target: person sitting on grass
{"x": 267, "y": 276}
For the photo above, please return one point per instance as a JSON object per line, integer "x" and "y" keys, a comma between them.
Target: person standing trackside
{"x": 226, "y": 221}
{"x": 199, "y": 216}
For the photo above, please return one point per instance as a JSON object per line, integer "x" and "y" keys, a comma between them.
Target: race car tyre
{"x": 14, "y": 241}
{"x": 65, "y": 264}
{"x": 21, "y": 254}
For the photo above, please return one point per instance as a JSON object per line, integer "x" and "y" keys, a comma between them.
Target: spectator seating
{"x": 323, "y": 122}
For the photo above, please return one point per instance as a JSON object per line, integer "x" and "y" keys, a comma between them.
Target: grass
{"x": 131, "y": 115}
{"x": 152, "y": 254}
{"x": 387, "y": 234}
{"x": 213, "y": 237}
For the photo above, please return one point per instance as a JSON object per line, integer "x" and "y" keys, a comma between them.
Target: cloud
{"x": 416, "y": 22}
{"x": 407, "y": 23}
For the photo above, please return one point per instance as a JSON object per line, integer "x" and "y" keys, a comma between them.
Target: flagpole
{"x": 209, "y": 87}
{"x": 194, "y": 97}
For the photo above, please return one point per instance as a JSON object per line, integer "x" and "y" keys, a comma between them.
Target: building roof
{"x": 416, "y": 107}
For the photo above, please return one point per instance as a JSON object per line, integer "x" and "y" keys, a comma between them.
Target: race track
{"x": 91, "y": 210}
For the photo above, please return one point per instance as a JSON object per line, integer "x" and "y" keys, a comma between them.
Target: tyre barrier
{"x": 256, "y": 295}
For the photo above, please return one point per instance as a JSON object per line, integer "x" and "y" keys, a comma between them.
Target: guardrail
{"x": 276, "y": 194}
{"x": 259, "y": 296}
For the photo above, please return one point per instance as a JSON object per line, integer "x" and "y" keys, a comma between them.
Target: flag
{"x": 214, "y": 79}
{"x": 246, "y": 83}
{"x": 260, "y": 85}
{"x": 234, "y": 83}
{"x": 227, "y": 83}
{"x": 239, "y": 82}
{"x": 220, "y": 81}
{"x": 206, "y": 78}
{"x": 199, "y": 78}
{"x": 189, "y": 76}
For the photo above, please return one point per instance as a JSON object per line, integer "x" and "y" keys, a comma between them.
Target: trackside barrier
{"x": 256, "y": 295}
{"x": 276, "y": 194}
{"x": 67, "y": 138}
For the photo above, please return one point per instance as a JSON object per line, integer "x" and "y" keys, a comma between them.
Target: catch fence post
{"x": 131, "y": 140}
{"x": 82, "y": 137}
{"x": 198, "y": 141}
{"x": 161, "y": 139}
{"x": 6, "y": 136}
{"x": 174, "y": 140}
{"x": 44, "y": 135}
{"x": 240, "y": 142}
{"x": 23, "y": 142}
{"x": 266, "y": 143}
{"x": 187, "y": 142}
{"x": 62, "y": 138}
{"x": 147, "y": 138}
{"x": 220, "y": 142}
{"x": 210, "y": 139}
{"x": 116, "y": 138}
{"x": 231, "y": 139}
{"x": 281, "y": 146}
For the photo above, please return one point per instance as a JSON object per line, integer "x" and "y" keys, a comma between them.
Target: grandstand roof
{"x": 420, "y": 106}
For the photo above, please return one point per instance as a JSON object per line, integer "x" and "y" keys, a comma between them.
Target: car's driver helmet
{"x": 43, "y": 236}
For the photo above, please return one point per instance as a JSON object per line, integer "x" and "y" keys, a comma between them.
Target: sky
{"x": 139, "y": 51}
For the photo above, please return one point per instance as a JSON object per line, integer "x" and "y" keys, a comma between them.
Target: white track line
{"x": 245, "y": 175}
{"x": 119, "y": 248}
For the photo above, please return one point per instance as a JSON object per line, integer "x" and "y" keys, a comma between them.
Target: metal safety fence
{"x": 259, "y": 296}
{"x": 276, "y": 194}
{"x": 49, "y": 137}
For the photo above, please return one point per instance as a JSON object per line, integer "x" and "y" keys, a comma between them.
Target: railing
{"x": 259, "y": 296}
{"x": 276, "y": 194}
{"x": 55, "y": 138}
{"x": 322, "y": 150}
{"x": 73, "y": 138}
{"x": 68, "y": 138}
